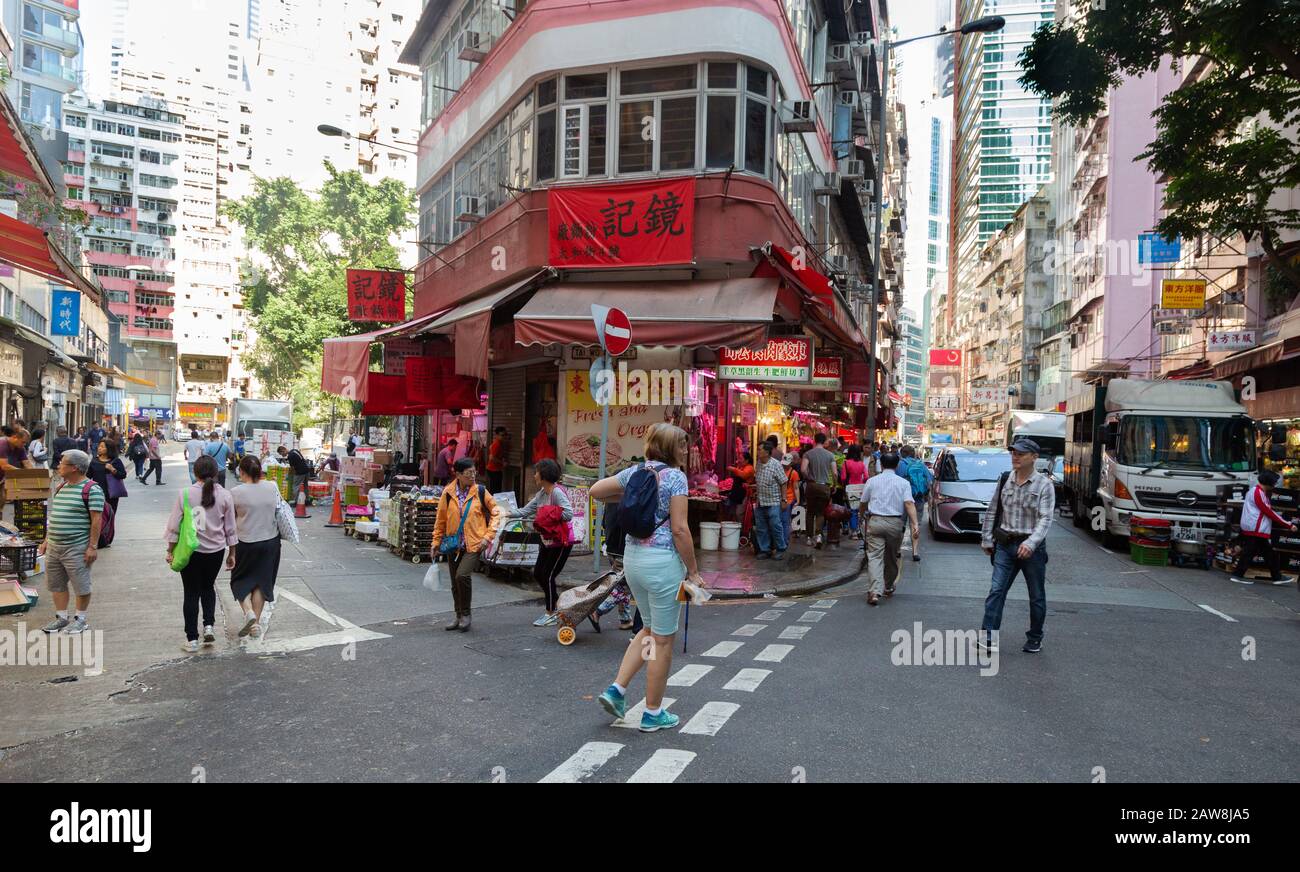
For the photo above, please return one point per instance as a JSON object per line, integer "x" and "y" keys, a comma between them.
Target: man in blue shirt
{"x": 220, "y": 452}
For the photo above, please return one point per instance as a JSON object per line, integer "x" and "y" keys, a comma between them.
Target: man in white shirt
{"x": 888, "y": 499}
{"x": 193, "y": 451}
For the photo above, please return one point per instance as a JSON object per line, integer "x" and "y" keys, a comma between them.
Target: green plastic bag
{"x": 188, "y": 541}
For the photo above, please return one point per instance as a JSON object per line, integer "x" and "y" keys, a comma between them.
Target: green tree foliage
{"x": 1225, "y": 142}
{"x": 302, "y": 246}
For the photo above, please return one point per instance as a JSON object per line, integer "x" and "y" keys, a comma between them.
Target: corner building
{"x": 709, "y": 168}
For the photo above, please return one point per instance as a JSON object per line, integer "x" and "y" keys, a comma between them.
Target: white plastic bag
{"x": 433, "y": 578}
{"x": 285, "y": 524}
{"x": 693, "y": 594}
{"x": 853, "y": 493}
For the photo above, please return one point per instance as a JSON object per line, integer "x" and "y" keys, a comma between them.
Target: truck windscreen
{"x": 1187, "y": 442}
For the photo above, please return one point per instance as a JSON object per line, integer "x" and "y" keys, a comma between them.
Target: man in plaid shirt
{"x": 1014, "y": 535}
{"x": 768, "y": 529}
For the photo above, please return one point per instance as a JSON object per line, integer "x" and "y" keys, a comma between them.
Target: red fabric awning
{"x": 814, "y": 282}
{"x": 730, "y": 313}
{"x": 26, "y": 247}
{"x": 345, "y": 360}
{"x": 17, "y": 156}
{"x": 829, "y": 309}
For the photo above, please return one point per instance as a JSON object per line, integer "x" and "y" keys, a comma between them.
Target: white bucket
{"x": 730, "y": 536}
{"x": 709, "y": 533}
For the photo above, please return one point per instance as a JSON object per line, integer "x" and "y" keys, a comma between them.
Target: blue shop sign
{"x": 65, "y": 309}
{"x": 1153, "y": 248}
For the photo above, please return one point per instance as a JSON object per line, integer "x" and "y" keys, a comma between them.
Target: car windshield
{"x": 976, "y": 467}
{"x": 1187, "y": 442}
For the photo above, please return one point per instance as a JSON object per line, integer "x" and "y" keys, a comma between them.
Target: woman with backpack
{"x": 138, "y": 452}
{"x": 466, "y": 523}
{"x": 555, "y": 550}
{"x": 659, "y": 553}
{"x": 108, "y": 471}
{"x": 213, "y": 508}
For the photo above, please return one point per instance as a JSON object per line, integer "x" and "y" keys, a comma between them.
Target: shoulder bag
{"x": 188, "y": 540}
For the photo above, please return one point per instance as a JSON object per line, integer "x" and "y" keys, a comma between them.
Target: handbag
{"x": 116, "y": 486}
{"x": 451, "y": 544}
{"x": 285, "y": 524}
{"x": 188, "y": 540}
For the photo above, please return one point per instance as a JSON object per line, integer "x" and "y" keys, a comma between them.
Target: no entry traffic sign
{"x": 613, "y": 329}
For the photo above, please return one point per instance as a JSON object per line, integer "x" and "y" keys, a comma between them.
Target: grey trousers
{"x": 884, "y": 541}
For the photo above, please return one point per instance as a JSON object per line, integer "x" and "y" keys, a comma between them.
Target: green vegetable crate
{"x": 1147, "y": 555}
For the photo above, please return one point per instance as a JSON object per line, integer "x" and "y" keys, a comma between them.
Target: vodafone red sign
{"x": 945, "y": 357}
{"x": 613, "y": 329}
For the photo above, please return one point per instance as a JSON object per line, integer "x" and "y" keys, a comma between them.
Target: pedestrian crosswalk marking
{"x": 824, "y": 604}
{"x": 812, "y": 617}
{"x": 769, "y": 615}
{"x": 587, "y": 760}
{"x": 663, "y": 767}
{"x": 782, "y": 604}
{"x": 747, "y": 680}
{"x": 749, "y": 630}
{"x": 688, "y": 675}
{"x": 774, "y": 653}
{"x": 723, "y": 649}
{"x": 795, "y": 632}
{"x": 632, "y": 719}
{"x": 711, "y": 718}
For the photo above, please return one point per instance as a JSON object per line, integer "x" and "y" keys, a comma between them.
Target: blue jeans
{"x": 768, "y": 528}
{"x": 787, "y": 522}
{"x": 193, "y": 479}
{"x": 1005, "y": 567}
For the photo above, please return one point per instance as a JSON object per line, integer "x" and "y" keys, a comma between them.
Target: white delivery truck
{"x": 1045, "y": 428}
{"x": 1156, "y": 449}
{"x": 249, "y": 415}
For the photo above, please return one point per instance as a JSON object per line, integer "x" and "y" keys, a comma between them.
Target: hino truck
{"x": 1155, "y": 449}
{"x": 249, "y": 415}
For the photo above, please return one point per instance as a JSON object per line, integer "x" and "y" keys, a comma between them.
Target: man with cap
{"x": 1014, "y": 535}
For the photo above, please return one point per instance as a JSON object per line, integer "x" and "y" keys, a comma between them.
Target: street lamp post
{"x": 332, "y": 130}
{"x": 987, "y": 24}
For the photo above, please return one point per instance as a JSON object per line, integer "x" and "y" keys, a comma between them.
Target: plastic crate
{"x": 18, "y": 558}
{"x": 1145, "y": 555}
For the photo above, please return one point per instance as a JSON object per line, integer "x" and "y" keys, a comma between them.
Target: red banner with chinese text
{"x": 376, "y": 295}
{"x": 637, "y": 224}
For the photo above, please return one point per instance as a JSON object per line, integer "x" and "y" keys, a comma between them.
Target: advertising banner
{"x": 1231, "y": 340}
{"x": 1182, "y": 293}
{"x": 628, "y": 424}
{"x": 945, "y": 357}
{"x": 638, "y": 224}
{"x": 828, "y": 373}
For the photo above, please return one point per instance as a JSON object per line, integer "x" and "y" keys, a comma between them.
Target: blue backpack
{"x": 919, "y": 477}
{"x": 640, "y": 504}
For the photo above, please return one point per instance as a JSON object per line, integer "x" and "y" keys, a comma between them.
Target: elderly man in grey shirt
{"x": 1014, "y": 535}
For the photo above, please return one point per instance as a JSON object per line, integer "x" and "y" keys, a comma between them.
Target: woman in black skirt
{"x": 257, "y": 563}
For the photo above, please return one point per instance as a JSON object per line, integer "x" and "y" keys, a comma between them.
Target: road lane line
{"x": 711, "y": 718}
{"x": 774, "y": 653}
{"x": 663, "y": 767}
{"x": 795, "y": 632}
{"x": 747, "y": 680}
{"x": 632, "y": 719}
{"x": 811, "y": 617}
{"x": 1228, "y": 618}
{"x": 587, "y": 760}
{"x": 723, "y": 649}
{"x": 688, "y": 675}
{"x": 769, "y": 615}
{"x": 749, "y": 630}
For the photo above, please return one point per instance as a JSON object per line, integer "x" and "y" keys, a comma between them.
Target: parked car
{"x": 964, "y": 482}
{"x": 1057, "y": 475}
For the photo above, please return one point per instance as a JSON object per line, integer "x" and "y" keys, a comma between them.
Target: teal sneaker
{"x": 614, "y": 702}
{"x": 665, "y": 720}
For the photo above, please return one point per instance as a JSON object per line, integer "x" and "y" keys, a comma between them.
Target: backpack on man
{"x": 107, "y": 526}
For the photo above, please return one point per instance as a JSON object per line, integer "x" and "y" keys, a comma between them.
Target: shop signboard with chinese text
{"x": 788, "y": 359}
{"x": 749, "y": 415}
{"x": 396, "y": 351}
{"x": 638, "y": 224}
{"x": 942, "y": 403}
{"x": 628, "y": 425}
{"x": 1153, "y": 248}
{"x": 828, "y": 373}
{"x": 65, "y": 311}
{"x": 1231, "y": 340}
{"x": 1182, "y": 293}
{"x": 989, "y": 394}
{"x": 11, "y": 364}
{"x": 376, "y": 295}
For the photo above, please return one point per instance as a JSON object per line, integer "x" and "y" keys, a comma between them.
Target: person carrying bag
{"x": 475, "y": 528}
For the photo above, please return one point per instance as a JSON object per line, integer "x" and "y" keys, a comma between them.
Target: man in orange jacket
{"x": 467, "y": 509}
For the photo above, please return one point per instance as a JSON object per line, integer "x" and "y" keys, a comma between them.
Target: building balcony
{"x": 157, "y": 334}
{"x": 76, "y": 157}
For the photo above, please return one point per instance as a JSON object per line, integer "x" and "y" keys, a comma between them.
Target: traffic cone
{"x": 300, "y": 507}
{"x": 336, "y": 516}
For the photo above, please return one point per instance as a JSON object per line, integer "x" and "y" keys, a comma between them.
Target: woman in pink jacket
{"x": 214, "y": 516}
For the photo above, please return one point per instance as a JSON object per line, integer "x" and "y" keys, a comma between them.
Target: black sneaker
{"x": 1032, "y": 647}
{"x": 762, "y": 555}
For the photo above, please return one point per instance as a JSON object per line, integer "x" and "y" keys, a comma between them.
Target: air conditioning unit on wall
{"x": 797, "y": 116}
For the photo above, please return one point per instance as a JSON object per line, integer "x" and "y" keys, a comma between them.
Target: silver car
{"x": 964, "y": 482}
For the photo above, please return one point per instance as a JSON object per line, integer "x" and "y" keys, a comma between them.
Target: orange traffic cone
{"x": 300, "y": 507}
{"x": 336, "y": 516}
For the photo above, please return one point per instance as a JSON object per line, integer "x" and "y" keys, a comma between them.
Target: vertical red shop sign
{"x": 376, "y": 295}
{"x": 636, "y": 224}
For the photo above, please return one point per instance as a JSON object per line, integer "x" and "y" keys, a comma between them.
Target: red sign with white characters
{"x": 788, "y": 359}
{"x": 945, "y": 357}
{"x": 828, "y": 373}
{"x": 635, "y": 224}
{"x": 376, "y": 295}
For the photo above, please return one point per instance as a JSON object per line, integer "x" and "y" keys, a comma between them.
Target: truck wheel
{"x": 1080, "y": 519}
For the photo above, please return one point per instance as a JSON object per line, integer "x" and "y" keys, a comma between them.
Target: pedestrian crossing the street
{"x": 700, "y": 721}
